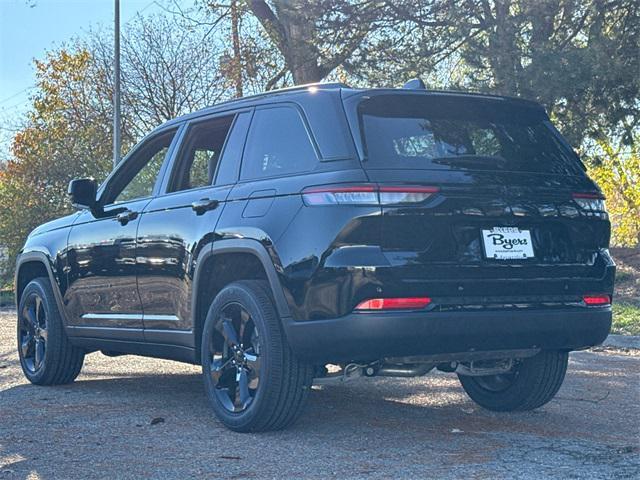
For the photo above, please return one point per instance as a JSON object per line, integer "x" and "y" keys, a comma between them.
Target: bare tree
{"x": 248, "y": 60}
{"x": 168, "y": 68}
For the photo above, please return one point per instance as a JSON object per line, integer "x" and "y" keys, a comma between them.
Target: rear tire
{"x": 253, "y": 380}
{"x": 46, "y": 356}
{"x": 533, "y": 382}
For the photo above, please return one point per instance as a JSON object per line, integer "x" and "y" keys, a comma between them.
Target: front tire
{"x": 253, "y": 380}
{"x": 46, "y": 356}
{"x": 533, "y": 382}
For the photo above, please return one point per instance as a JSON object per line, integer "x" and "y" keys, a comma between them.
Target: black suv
{"x": 321, "y": 233}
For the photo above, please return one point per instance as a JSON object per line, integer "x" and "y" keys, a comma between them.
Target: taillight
{"x": 404, "y": 303}
{"x": 366, "y": 194}
{"x": 391, "y": 195}
{"x": 591, "y": 202}
{"x": 341, "y": 195}
{"x": 596, "y": 300}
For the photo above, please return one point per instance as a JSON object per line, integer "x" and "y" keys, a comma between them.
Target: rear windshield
{"x": 461, "y": 133}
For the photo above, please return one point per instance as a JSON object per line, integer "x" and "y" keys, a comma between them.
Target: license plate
{"x": 507, "y": 243}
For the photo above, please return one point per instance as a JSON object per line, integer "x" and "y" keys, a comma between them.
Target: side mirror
{"x": 82, "y": 192}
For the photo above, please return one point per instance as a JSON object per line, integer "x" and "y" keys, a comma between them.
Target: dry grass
{"x": 626, "y": 309}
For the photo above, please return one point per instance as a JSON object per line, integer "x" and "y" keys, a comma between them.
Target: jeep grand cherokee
{"x": 380, "y": 232}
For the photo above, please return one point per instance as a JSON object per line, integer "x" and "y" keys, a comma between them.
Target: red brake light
{"x": 596, "y": 300}
{"x": 407, "y": 303}
{"x": 366, "y": 194}
{"x": 588, "y": 195}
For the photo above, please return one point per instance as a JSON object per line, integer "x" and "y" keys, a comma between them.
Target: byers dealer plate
{"x": 507, "y": 243}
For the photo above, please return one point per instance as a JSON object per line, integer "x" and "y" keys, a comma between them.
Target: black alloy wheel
{"x": 498, "y": 382}
{"x": 33, "y": 333}
{"x": 235, "y": 367}
{"x": 253, "y": 380}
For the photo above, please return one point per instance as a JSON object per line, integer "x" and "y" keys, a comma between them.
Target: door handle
{"x": 126, "y": 216}
{"x": 203, "y": 205}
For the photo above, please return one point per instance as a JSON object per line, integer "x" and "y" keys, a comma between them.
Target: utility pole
{"x": 235, "y": 37}
{"x": 116, "y": 86}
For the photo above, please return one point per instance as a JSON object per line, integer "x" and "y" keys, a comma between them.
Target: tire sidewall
{"x": 532, "y": 378}
{"x": 38, "y": 287}
{"x": 504, "y": 400}
{"x": 239, "y": 293}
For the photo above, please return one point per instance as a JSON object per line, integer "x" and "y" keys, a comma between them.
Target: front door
{"x": 102, "y": 299}
{"x": 178, "y": 224}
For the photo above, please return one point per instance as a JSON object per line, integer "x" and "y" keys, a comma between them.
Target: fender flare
{"x": 44, "y": 259}
{"x": 243, "y": 245}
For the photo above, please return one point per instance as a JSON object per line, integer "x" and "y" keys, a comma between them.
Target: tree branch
{"x": 273, "y": 80}
{"x": 270, "y": 22}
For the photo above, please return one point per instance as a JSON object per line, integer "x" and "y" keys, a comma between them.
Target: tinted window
{"x": 138, "y": 176}
{"x": 200, "y": 154}
{"x": 229, "y": 165}
{"x": 278, "y": 144}
{"x": 461, "y": 133}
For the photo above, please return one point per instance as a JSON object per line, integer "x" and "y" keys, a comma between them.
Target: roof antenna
{"x": 415, "y": 84}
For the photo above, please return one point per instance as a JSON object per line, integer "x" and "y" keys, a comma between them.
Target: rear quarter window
{"x": 278, "y": 144}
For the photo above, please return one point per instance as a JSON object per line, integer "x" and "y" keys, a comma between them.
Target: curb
{"x": 623, "y": 341}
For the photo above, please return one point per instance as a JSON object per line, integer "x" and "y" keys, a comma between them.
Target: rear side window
{"x": 200, "y": 154}
{"x": 458, "y": 133}
{"x": 278, "y": 144}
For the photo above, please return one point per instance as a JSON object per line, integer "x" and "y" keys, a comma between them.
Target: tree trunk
{"x": 504, "y": 58}
{"x": 292, "y": 30}
{"x": 300, "y": 52}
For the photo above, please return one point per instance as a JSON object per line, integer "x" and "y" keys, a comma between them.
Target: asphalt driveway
{"x": 132, "y": 417}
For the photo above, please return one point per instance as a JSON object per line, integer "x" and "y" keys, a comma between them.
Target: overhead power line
{"x": 17, "y": 93}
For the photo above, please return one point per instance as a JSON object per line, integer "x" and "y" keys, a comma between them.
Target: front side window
{"x": 278, "y": 144}
{"x": 200, "y": 154}
{"x": 138, "y": 176}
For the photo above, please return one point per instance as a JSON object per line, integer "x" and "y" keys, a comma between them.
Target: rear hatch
{"x": 513, "y": 201}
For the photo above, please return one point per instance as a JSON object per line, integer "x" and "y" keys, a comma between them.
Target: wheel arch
{"x": 249, "y": 259}
{"x": 32, "y": 265}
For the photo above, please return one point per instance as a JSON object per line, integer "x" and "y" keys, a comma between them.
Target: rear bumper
{"x": 371, "y": 336}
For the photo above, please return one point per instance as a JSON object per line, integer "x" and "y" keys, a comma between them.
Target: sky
{"x": 28, "y": 28}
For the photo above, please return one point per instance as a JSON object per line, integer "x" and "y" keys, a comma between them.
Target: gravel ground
{"x": 132, "y": 417}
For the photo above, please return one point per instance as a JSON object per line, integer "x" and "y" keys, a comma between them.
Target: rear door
{"x": 178, "y": 224}
{"x": 504, "y": 180}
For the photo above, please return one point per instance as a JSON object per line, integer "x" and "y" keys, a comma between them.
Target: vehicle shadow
{"x": 362, "y": 420}
{"x": 332, "y": 403}
{"x": 436, "y": 399}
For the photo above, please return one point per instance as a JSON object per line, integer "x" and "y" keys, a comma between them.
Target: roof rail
{"x": 318, "y": 85}
{"x": 294, "y": 88}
